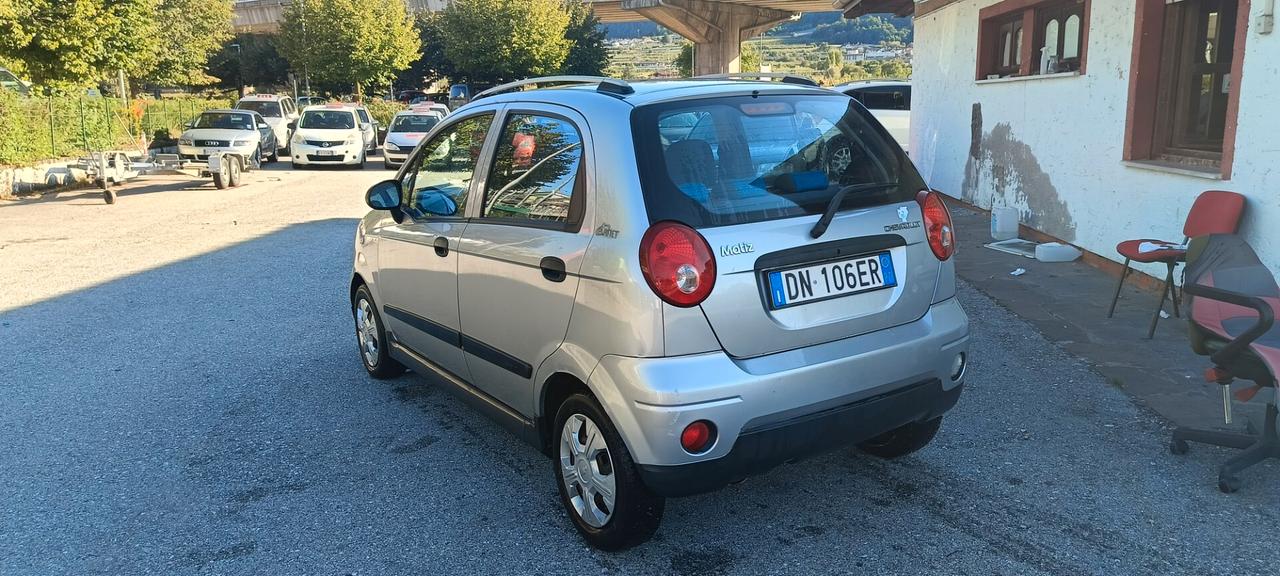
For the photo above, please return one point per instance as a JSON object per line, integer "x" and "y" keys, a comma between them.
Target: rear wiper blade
{"x": 821, "y": 227}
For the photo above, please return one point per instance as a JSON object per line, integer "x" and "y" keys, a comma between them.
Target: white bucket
{"x": 1004, "y": 223}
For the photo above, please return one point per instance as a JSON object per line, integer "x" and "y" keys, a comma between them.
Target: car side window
{"x": 364, "y": 115}
{"x": 437, "y": 181}
{"x": 535, "y": 171}
{"x": 885, "y": 97}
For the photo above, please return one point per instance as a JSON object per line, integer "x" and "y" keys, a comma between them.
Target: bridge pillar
{"x": 717, "y": 29}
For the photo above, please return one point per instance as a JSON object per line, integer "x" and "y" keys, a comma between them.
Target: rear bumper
{"x": 774, "y": 408}
{"x": 761, "y": 449}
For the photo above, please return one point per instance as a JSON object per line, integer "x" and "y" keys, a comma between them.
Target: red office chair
{"x": 1214, "y": 212}
{"x": 1233, "y": 304}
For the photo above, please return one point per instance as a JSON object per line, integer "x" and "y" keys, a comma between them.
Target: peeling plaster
{"x": 1003, "y": 171}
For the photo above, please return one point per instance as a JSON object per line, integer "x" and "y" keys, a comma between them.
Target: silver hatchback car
{"x": 666, "y": 286}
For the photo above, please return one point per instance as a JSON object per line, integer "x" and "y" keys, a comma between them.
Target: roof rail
{"x": 784, "y": 77}
{"x": 604, "y": 85}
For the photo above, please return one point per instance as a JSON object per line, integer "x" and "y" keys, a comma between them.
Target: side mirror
{"x": 264, "y": 125}
{"x": 187, "y": 125}
{"x": 293, "y": 125}
{"x": 384, "y": 195}
{"x": 435, "y": 203}
{"x": 365, "y": 126}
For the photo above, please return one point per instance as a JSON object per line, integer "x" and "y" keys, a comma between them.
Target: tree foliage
{"x": 490, "y": 41}
{"x": 587, "y": 54}
{"x": 193, "y": 30}
{"x": 432, "y": 64}
{"x": 684, "y": 60}
{"x": 68, "y": 45}
{"x": 257, "y": 62}
{"x": 864, "y": 30}
{"x": 359, "y": 41}
{"x": 750, "y": 58}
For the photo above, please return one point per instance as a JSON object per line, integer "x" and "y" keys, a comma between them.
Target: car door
{"x": 418, "y": 257}
{"x": 520, "y": 255}
{"x": 267, "y": 138}
{"x": 368, "y": 130}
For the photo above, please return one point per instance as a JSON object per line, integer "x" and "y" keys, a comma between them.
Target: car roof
{"x": 347, "y": 107}
{"x": 269, "y": 97}
{"x": 229, "y": 111}
{"x": 650, "y": 91}
{"x": 866, "y": 83}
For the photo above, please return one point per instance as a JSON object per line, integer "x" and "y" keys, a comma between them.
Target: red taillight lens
{"x": 937, "y": 224}
{"x": 677, "y": 263}
{"x": 697, "y": 437}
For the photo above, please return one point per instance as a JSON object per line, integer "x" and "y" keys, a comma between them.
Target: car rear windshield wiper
{"x": 821, "y": 227}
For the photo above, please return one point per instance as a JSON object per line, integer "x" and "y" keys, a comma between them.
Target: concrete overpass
{"x": 716, "y": 27}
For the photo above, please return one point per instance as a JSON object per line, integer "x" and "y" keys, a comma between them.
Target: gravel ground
{"x": 182, "y": 395}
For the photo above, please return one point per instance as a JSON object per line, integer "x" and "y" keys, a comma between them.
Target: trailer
{"x": 109, "y": 168}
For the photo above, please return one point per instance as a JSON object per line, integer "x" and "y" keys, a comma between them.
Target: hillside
{"x": 812, "y": 27}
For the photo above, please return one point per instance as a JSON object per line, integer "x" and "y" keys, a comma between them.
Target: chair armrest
{"x": 1266, "y": 317}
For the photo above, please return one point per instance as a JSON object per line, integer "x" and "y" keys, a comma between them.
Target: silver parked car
{"x": 661, "y": 308}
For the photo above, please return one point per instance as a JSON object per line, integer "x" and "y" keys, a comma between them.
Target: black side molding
{"x": 439, "y": 331}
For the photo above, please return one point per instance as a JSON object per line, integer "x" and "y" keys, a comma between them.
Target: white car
{"x": 889, "y": 101}
{"x": 239, "y": 132}
{"x": 405, "y": 132}
{"x": 328, "y": 135}
{"x": 278, "y": 111}
{"x": 369, "y": 126}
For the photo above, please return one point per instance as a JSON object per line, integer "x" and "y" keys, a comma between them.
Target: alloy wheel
{"x": 367, "y": 332}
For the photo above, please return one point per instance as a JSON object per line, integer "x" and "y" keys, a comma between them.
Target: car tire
{"x": 837, "y": 156}
{"x": 255, "y": 162}
{"x": 902, "y": 440}
{"x": 635, "y": 512}
{"x": 371, "y": 337}
{"x": 360, "y": 165}
{"x": 272, "y": 158}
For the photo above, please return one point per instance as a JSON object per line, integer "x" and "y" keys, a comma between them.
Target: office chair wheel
{"x": 1228, "y": 484}
{"x": 1178, "y": 447}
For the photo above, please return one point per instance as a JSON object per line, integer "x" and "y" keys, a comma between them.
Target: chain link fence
{"x": 38, "y": 129}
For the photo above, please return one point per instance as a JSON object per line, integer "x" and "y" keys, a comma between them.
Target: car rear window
{"x": 265, "y": 108}
{"x": 740, "y": 159}
{"x": 413, "y": 123}
{"x": 328, "y": 120}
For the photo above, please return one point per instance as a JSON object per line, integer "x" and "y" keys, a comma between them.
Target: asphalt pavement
{"x": 181, "y": 395}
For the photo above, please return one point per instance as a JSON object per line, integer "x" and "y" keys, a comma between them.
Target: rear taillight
{"x": 677, "y": 263}
{"x": 937, "y": 224}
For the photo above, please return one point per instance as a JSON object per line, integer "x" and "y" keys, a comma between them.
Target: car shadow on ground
{"x": 212, "y": 415}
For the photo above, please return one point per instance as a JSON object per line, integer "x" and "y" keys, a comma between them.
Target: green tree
{"x": 894, "y": 69}
{"x": 835, "y": 63}
{"x": 684, "y": 60}
{"x": 432, "y": 65}
{"x": 363, "y": 42}
{"x": 193, "y": 31}
{"x": 490, "y": 41}
{"x": 750, "y": 58}
{"x": 257, "y": 62}
{"x": 68, "y": 45}
{"x": 587, "y": 54}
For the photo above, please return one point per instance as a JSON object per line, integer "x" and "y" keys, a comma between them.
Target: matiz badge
{"x": 736, "y": 249}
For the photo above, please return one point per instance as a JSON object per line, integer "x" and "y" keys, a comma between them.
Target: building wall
{"x": 1052, "y": 147}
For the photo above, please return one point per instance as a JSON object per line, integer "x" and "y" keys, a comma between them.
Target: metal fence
{"x": 36, "y": 129}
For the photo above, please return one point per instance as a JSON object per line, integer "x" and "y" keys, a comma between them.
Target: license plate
{"x": 324, "y": 152}
{"x": 210, "y": 151}
{"x": 831, "y": 279}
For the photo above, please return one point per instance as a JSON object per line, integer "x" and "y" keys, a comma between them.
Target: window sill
{"x": 1173, "y": 169}
{"x": 1027, "y": 78}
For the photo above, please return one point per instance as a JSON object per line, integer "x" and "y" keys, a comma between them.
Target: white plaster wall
{"x": 1066, "y": 135}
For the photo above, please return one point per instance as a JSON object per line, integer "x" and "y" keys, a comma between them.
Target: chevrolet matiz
{"x": 666, "y": 286}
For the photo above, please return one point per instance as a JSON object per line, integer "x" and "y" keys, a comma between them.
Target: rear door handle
{"x": 552, "y": 269}
{"x": 441, "y": 246}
